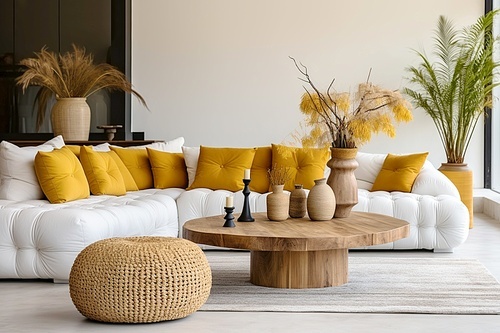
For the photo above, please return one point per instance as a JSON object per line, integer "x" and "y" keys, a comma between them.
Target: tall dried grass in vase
{"x": 72, "y": 74}
{"x": 345, "y": 120}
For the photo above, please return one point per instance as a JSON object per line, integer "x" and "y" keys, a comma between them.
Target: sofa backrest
{"x": 430, "y": 181}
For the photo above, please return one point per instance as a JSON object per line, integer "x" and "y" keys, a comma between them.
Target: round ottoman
{"x": 140, "y": 279}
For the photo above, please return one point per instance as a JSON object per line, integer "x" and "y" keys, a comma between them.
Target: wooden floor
{"x": 29, "y": 306}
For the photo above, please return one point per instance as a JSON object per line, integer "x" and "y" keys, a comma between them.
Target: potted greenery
{"x": 454, "y": 88}
{"x": 71, "y": 78}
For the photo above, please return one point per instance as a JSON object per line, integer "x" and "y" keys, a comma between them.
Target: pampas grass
{"x": 72, "y": 74}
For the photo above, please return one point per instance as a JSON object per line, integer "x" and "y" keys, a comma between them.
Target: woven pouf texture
{"x": 140, "y": 279}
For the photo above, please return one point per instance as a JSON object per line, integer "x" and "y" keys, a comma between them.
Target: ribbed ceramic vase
{"x": 298, "y": 202}
{"x": 277, "y": 204}
{"x": 71, "y": 118}
{"x": 342, "y": 179}
{"x": 321, "y": 201}
{"x": 462, "y": 177}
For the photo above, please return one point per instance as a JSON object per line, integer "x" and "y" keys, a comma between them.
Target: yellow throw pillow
{"x": 399, "y": 172}
{"x": 258, "y": 173}
{"x": 61, "y": 175}
{"x": 129, "y": 181}
{"x": 74, "y": 149}
{"x": 169, "y": 169}
{"x": 137, "y": 163}
{"x": 304, "y": 164}
{"x": 222, "y": 168}
{"x": 102, "y": 173}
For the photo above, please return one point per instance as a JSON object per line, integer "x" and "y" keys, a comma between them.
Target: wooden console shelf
{"x": 122, "y": 143}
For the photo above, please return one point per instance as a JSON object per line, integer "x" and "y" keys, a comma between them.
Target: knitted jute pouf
{"x": 140, "y": 279}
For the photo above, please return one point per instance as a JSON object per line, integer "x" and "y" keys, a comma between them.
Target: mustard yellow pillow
{"x": 137, "y": 163}
{"x": 102, "y": 173}
{"x": 399, "y": 172}
{"x": 129, "y": 181}
{"x": 261, "y": 163}
{"x": 61, "y": 175}
{"x": 74, "y": 149}
{"x": 169, "y": 169}
{"x": 222, "y": 168}
{"x": 304, "y": 164}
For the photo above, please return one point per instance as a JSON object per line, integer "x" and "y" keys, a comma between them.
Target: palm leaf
{"x": 456, "y": 86}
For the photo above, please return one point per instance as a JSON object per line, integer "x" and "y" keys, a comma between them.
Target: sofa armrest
{"x": 431, "y": 181}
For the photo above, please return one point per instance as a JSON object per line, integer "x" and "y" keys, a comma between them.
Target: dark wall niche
{"x": 101, "y": 26}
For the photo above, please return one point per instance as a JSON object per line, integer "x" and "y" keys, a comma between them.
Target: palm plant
{"x": 72, "y": 74}
{"x": 455, "y": 89}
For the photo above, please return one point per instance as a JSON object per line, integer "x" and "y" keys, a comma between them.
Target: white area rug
{"x": 376, "y": 285}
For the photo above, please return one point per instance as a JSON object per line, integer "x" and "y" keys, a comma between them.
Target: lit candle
{"x": 247, "y": 174}
{"x": 229, "y": 201}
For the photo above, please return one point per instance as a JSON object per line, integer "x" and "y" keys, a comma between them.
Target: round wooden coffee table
{"x": 298, "y": 253}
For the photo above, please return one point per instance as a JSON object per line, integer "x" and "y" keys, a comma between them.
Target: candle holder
{"x": 246, "y": 216}
{"x": 229, "y": 217}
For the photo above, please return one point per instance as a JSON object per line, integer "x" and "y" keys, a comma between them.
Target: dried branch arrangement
{"x": 347, "y": 121}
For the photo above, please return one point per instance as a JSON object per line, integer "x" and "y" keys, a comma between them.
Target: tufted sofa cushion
{"x": 41, "y": 240}
{"x": 436, "y": 222}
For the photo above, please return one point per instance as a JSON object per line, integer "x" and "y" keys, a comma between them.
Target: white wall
{"x": 217, "y": 72}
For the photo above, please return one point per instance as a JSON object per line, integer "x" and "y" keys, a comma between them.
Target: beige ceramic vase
{"x": 342, "y": 179}
{"x": 321, "y": 201}
{"x": 71, "y": 118}
{"x": 298, "y": 202}
{"x": 277, "y": 204}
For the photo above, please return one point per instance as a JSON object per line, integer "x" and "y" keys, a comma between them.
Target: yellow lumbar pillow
{"x": 222, "y": 168}
{"x": 258, "y": 173}
{"x": 61, "y": 175}
{"x": 102, "y": 173}
{"x": 169, "y": 169}
{"x": 399, "y": 172}
{"x": 137, "y": 163}
{"x": 304, "y": 164}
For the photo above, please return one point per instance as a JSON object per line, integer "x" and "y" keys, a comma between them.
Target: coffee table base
{"x": 299, "y": 269}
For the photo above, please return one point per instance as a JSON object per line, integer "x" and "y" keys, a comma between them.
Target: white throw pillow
{"x": 172, "y": 146}
{"x": 191, "y": 155}
{"x": 101, "y": 147}
{"x": 368, "y": 169}
{"x": 18, "y": 180}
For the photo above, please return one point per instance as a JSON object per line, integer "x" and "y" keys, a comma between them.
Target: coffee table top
{"x": 359, "y": 229}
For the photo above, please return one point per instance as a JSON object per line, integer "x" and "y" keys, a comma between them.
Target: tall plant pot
{"x": 342, "y": 179}
{"x": 461, "y": 175}
{"x": 71, "y": 118}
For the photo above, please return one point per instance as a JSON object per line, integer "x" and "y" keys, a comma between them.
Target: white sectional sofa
{"x": 41, "y": 240}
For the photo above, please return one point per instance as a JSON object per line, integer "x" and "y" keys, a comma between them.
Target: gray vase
{"x": 298, "y": 202}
